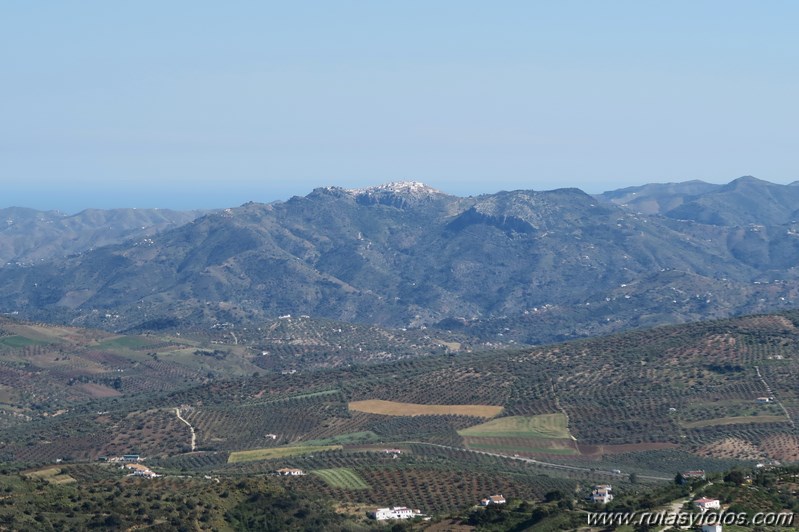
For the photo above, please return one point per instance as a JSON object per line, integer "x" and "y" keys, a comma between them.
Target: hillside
{"x": 742, "y": 202}
{"x": 28, "y": 236}
{"x": 657, "y": 198}
{"x": 651, "y": 402}
{"x": 535, "y": 266}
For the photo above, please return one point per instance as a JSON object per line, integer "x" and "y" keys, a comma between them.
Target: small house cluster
{"x": 126, "y": 458}
{"x": 290, "y": 472}
{"x": 140, "y": 470}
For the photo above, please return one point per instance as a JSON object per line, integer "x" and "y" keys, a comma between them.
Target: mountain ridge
{"x": 412, "y": 256}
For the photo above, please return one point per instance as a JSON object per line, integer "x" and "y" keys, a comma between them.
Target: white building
{"x": 493, "y": 499}
{"x": 290, "y": 472}
{"x": 601, "y": 496}
{"x": 395, "y": 512}
{"x": 707, "y": 504}
{"x": 711, "y": 528}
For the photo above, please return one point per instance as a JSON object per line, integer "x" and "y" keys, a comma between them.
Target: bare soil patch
{"x": 782, "y": 447}
{"x": 735, "y": 448}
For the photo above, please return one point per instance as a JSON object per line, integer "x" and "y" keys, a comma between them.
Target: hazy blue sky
{"x": 209, "y": 104}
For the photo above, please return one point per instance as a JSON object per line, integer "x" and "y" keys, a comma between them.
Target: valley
{"x": 433, "y": 428}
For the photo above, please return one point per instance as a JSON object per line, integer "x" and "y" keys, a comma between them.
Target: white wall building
{"x": 707, "y": 504}
{"x": 395, "y": 512}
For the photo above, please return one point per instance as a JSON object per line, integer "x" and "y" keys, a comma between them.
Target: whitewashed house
{"x": 493, "y": 499}
{"x": 707, "y": 504}
{"x": 395, "y": 512}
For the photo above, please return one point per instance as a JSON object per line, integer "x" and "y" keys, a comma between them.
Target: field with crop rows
{"x": 342, "y": 477}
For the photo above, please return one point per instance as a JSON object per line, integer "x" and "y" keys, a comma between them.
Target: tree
{"x": 735, "y": 477}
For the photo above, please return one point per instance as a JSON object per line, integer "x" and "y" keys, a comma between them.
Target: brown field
{"x": 736, "y": 420}
{"x": 598, "y": 450}
{"x": 783, "y": 447}
{"x": 393, "y": 408}
{"x": 734, "y": 448}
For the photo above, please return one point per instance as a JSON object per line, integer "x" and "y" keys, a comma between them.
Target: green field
{"x": 342, "y": 477}
{"x": 277, "y": 452}
{"x": 543, "y": 426}
{"x": 126, "y": 342}
{"x": 16, "y": 341}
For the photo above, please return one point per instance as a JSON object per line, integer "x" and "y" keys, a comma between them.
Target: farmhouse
{"x": 395, "y": 512}
{"x": 707, "y": 504}
{"x": 493, "y": 499}
{"x": 763, "y": 400}
{"x": 290, "y": 472}
{"x": 131, "y": 458}
{"x": 601, "y": 496}
{"x": 140, "y": 470}
{"x": 711, "y": 528}
{"x": 145, "y": 473}
{"x": 688, "y": 476}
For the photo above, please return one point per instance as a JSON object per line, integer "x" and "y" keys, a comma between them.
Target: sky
{"x": 199, "y": 104}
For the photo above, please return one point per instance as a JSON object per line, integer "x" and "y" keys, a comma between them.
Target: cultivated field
{"x": 278, "y": 452}
{"x": 394, "y": 408}
{"x": 542, "y": 426}
{"x": 342, "y": 477}
{"x": 526, "y": 435}
{"x": 52, "y": 475}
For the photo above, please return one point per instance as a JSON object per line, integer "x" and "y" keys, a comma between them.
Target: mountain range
{"x": 524, "y": 266}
